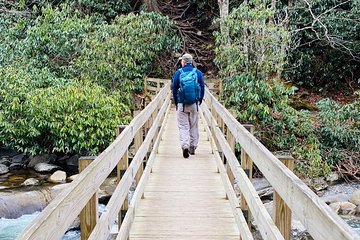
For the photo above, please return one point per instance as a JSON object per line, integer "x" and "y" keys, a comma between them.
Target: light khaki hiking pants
{"x": 188, "y": 125}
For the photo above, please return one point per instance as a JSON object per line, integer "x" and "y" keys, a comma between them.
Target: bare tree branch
{"x": 335, "y": 42}
{"x": 14, "y": 12}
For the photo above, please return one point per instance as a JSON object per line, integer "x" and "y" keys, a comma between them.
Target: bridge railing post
{"x": 89, "y": 214}
{"x": 231, "y": 140}
{"x": 282, "y": 213}
{"x": 157, "y": 86}
{"x": 221, "y": 125}
{"x": 147, "y": 126}
{"x": 145, "y": 86}
{"x": 247, "y": 165}
{"x": 214, "y": 119}
{"x": 137, "y": 143}
{"x": 122, "y": 166}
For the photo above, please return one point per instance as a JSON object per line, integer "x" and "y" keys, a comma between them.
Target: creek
{"x": 11, "y": 228}
{"x": 354, "y": 223}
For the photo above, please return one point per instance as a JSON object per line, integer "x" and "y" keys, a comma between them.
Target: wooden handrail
{"x": 241, "y": 222}
{"x": 320, "y": 221}
{"x": 315, "y": 215}
{"x": 262, "y": 217}
{"x": 102, "y": 228}
{"x": 129, "y": 218}
{"x": 62, "y": 210}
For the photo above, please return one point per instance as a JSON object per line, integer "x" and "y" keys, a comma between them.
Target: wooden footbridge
{"x": 186, "y": 199}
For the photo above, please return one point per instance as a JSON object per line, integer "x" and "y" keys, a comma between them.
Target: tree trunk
{"x": 246, "y": 37}
{"x": 273, "y": 4}
{"x": 224, "y": 12}
{"x": 284, "y": 46}
{"x": 152, "y": 5}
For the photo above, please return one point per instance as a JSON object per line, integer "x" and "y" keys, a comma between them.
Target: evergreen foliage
{"x": 250, "y": 59}
{"x": 69, "y": 69}
{"x": 57, "y": 115}
{"x": 339, "y": 125}
{"x": 121, "y": 54}
{"x": 67, "y": 78}
{"x": 108, "y": 9}
{"x": 323, "y": 45}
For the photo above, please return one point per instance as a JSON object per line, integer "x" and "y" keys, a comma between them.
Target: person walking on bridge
{"x": 188, "y": 92}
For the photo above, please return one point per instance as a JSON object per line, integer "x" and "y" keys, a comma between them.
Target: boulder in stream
{"x": 355, "y": 198}
{"x": 15, "y": 203}
{"x": 58, "y": 177}
{"x": 46, "y": 158}
{"x": 3, "y": 169}
{"x": 5, "y": 161}
{"x": 46, "y": 168}
{"x": 31, "y": 182}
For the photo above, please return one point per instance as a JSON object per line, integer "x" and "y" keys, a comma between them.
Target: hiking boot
{"x": 192, "y": 150}
{"x": 185, "y": 153}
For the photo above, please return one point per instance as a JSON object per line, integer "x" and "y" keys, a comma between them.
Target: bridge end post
{"x": 89, "y": 215}
{"x": 282, "y": 213}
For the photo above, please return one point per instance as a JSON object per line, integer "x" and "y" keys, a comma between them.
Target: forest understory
{"x": 291, "y": 68}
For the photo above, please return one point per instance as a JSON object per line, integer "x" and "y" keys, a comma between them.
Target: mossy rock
{"x": 299, "y": 104}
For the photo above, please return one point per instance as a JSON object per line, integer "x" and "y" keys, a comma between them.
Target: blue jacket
{"x": 176, "y": 82}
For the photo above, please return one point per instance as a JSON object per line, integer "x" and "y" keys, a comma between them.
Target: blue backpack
{"x": 189, "y": 92}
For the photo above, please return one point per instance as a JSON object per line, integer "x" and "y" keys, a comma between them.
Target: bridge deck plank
{"x": 184, "y": 198}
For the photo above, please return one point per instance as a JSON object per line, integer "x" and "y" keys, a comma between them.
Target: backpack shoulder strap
{"x": 194, "y": 71}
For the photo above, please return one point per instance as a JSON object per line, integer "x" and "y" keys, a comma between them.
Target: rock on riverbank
{"x": 26, "y": 200}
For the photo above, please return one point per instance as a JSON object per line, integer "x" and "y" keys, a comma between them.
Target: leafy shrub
{"x": 120, "y": 55}
{"x": 250, "y": 65}
{"x": 56, "y": 115}
{"x": 77, "y": 118}
{"x": 108, "y": 9}
{"x": 12, "y": 31}
{"x": 339, "y": 124}
{"x": 56, "y": 38}
{"x": 51, "y": 69}
{"x": 339, "y": 132}
{"x": 17, "y": 86}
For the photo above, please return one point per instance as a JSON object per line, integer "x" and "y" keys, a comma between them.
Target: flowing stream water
{"x": 11, "y": 228}
{"x": 354, "y": 223}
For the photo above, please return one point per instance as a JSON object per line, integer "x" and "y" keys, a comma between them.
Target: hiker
{"x": 188, "y": 92}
